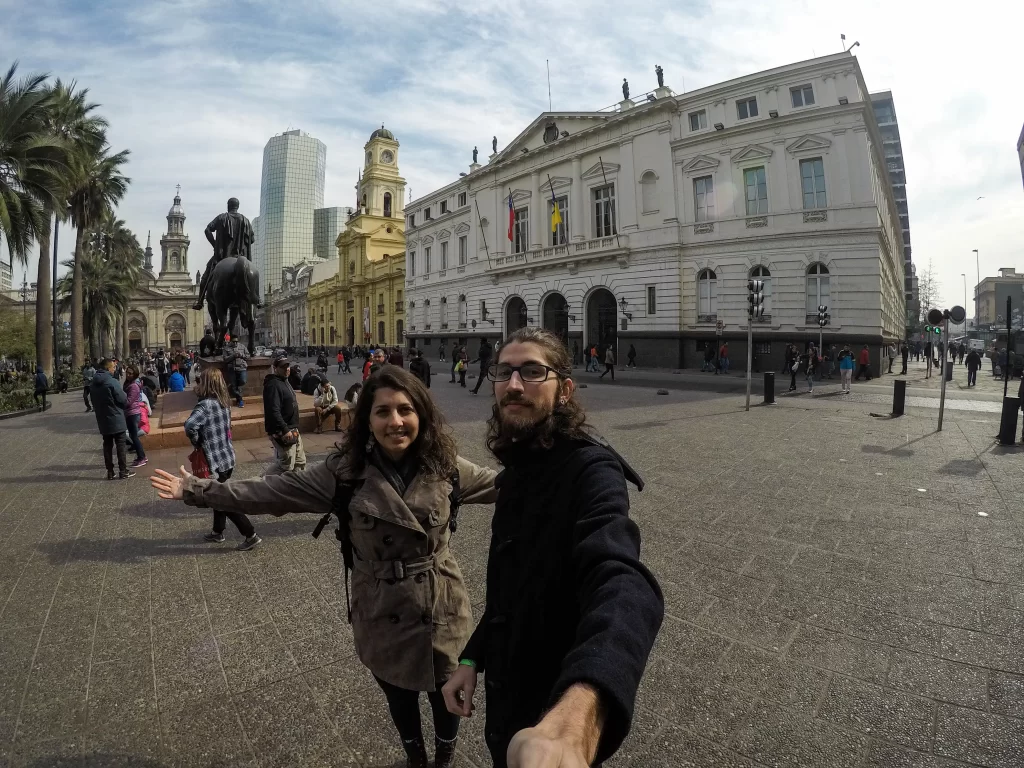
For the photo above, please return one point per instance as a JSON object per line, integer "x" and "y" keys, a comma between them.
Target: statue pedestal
{"x": 626, "y": 104}
{"x": 663, "y": 92}
{"x": 259, "y": 367}
{"x": 474, "y": 167}
{"x": 490, "y": 158}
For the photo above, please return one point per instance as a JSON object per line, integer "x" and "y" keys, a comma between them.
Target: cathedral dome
{"x": 176, "y": 209}
{"x": 382, "y": 133}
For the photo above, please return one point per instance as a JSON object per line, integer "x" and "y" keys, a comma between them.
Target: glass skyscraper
{"x": 294, "y": 165}
{"x": 328, "y": 223}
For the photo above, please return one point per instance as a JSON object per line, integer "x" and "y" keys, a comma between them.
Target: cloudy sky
{"x": 194, "y": 88}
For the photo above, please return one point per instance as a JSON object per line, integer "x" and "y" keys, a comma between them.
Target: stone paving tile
{"x": 807, "y": 631}
{"x": 977, "y": 737}
{"x": 879, "y": 712}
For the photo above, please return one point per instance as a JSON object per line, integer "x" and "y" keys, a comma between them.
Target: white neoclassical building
{"x": 668, "y": 206}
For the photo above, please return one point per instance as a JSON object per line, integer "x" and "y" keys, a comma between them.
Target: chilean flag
{"x": 511, "y": 216}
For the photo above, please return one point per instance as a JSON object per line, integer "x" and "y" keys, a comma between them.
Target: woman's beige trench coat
{"x": 410, "y": 610}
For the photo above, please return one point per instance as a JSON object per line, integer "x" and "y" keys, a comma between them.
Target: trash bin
{"x": 949, "y": 370}
{"x": 899, "y": 397}
{"x": 1008, "y": 421}
{"x": 769, "y": 387}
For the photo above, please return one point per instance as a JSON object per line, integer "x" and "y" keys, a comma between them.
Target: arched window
{"x": 426, "y": 313}
{"x": 387, "y": 204}
{"x": 649, "y": 192}
{"x": 707, "y": 295}
{"x": 817, "y": 289}
{"x": 764, "y": 275}
{"x": 444, "y": 311}
{"x": 462, "y": 310}
{"x": 175, "y": 261}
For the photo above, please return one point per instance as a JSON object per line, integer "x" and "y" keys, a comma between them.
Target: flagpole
{"x": 611, "y": 200}
{"x": 554, "y": 201}
{"x": 548, "y": 65}
{"x": 483, "y": 234}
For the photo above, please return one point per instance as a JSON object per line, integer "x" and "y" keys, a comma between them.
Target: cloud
{"x": 195, "y": 88}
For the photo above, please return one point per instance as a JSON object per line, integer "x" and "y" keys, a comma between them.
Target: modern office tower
{"x": 328, "y": 223}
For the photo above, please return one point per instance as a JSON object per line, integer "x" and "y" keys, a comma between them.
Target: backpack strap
{"x": 454, "y": 499}
{"x": 343, "y": 494}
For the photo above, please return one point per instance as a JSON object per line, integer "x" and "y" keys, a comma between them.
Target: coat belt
{"x": 398, "y": 569}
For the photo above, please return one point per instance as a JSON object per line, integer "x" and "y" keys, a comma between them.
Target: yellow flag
{"x": 556, "y": 216}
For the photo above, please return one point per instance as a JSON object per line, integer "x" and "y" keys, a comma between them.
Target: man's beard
{"x": 528, "y": 423}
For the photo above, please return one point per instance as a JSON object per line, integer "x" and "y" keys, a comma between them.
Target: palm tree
{"x": 121, "y": 249}
{"x": 68, "y": 117}
{"x": 33, "y": 163}
{"x": 97, "y": 186}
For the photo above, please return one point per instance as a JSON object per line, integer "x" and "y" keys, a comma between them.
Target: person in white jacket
{"x": 325, "y": 403}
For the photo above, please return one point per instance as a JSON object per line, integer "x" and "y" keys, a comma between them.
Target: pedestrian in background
{"x": 845, "y": 370}
{"x": 484, "y": 358}
{"x": 609, "y": 362}
{"x": 208, "y": 428}
{"x": 236, "y": 356}
{"x": 973, "y": 364}
{"x": 631, "y": 357}
{"x": 723, "y": 357}
{"x": 892, "y": 355}
{"x": 341, "y": 361}
{"x": 326, "y": 404}
{"x": 420, "y": 368}
{"x": 41, "y": 385}
{"x": 281, "y": 420}
{"x": 175, "y": 382}
{"x": 88, "y": 373}
{"x": 109, "y": 402}
{"x": 865, "y": 364}
{"x": 440, "y": 352}
{"x": 133, "y": 393}
{"x": 810, "y": 365}
{"x": 709, "y": 357}
{"x": 905, "y": 354}
{"x": 833, "y": 359}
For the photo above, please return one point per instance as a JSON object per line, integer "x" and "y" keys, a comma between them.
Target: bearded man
{"x": 571, "y": 613}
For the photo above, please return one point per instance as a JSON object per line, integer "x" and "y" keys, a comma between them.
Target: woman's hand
{"x": 169, "y": 486}
{"x": 458, "y": 691}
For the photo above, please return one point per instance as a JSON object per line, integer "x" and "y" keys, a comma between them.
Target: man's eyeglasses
{"x": 532, "y": 373}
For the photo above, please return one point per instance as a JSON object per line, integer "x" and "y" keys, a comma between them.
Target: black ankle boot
{"x": 444, "y": 753}
{"x": 416, "y": 751}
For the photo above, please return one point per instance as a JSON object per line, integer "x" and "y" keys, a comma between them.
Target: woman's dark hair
{"x": 566, "y": 420}
{"x": 352, "y": 391}
{"x": 434, "y": 446}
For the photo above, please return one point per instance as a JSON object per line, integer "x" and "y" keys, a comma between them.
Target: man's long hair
{"x": 434, "y": 446}
{"x": 568, "y": 420}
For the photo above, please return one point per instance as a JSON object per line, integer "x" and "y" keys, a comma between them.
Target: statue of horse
{"x": 233, "y": 287}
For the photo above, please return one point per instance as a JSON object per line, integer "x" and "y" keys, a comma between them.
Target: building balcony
{"x": 582, "y": 250}
{"x": 399, "y": 307}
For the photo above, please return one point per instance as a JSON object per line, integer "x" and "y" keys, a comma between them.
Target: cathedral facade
{"x": 161, "y": 314}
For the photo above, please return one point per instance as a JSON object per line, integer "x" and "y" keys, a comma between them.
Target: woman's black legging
{"x": 405, "y": 711}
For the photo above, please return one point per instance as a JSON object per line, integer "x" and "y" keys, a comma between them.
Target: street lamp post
{"x": 24, "y": 297}
{"x": 964, "y": 276}
{"x": 977, "y": 288}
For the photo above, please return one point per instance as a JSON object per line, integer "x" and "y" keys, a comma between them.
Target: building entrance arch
{"x": 555, "y": 316}
{"x": 602, "y": 315}
{"x": 515, "y": 315}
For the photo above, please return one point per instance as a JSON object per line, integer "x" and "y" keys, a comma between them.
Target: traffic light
{"x": 755, "y": 299}
{"x": 823, "y": 315}
{"x": 930, "y": 329}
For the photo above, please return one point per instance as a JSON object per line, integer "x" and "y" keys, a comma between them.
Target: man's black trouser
{"x": 120, "y": 440}
{"x": 480, "y": 379}
{"x": 220, "y": 518}
{"x": 87, "y": 397}
{"x": 405, "y": 712}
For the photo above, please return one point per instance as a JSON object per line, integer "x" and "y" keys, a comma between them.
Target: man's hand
{"x": 458, "y": 691}
{"x": 535, "y": 748}
{"x": 169, "y": 486}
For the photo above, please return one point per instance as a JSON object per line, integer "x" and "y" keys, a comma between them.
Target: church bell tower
{"x": 174, "y": 245}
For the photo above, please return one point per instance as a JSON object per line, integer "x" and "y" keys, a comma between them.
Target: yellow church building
{"x": 366, "y": 295}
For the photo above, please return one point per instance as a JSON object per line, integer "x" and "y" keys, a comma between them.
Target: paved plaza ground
{"x": 841, "y": 590}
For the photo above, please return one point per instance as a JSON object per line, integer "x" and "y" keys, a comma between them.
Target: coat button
{"x": 393, "y": 618}
{"x": 427, "y": 619}
{"x": 389, "y": 539}
{"x": 420, "y": 577}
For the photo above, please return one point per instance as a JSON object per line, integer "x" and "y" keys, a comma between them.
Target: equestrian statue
{"x": 230, "y": 283}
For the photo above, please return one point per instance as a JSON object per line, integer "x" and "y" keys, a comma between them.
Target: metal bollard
{"x": 769, "y": 387}
{"x": 899, "y": 397}
{"x": 949, "y": 371}
{"x": 1008, "y": 421}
